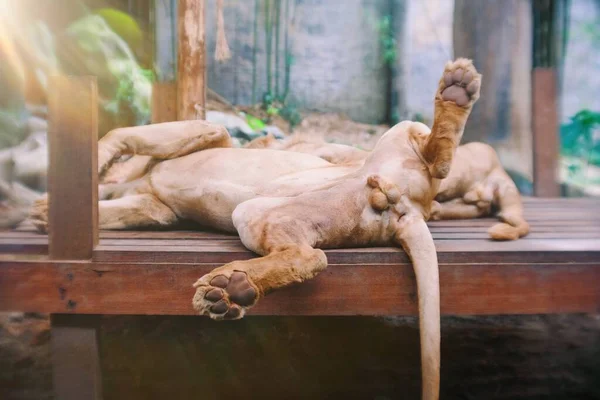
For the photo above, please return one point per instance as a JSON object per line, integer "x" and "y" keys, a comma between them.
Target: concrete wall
{"x": 581, "y": 83}
{"x": 337, "y": 58}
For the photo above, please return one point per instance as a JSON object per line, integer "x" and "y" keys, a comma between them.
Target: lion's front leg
{"x": 286, "y": 244}
{"x": 458, "y": 90}
{"x": 229, "y": 291}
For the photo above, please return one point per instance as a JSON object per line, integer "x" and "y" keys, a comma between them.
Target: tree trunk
{"x": 191, "y": 61}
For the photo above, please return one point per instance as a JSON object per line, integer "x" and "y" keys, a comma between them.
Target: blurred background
{"x": 344, "y": 70}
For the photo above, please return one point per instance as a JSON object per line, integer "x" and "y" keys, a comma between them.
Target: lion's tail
{"x": 418, "y": 243}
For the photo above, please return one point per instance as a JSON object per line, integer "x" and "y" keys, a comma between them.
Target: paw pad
{"x": 460, "y": 85}
{"x": 225, "y": 297}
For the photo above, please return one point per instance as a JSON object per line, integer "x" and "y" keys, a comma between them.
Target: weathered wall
{"x": 429, "y": 47}
{"x": 581, "y": 85}
{"x": 497, "y": 36}
{"x": 337, "y": 57}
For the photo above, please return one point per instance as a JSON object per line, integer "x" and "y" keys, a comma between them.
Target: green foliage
{"x": 96, "y": 49}
{"x": 291, "y": 114}
{"x": 126, "y": 90}
{"x": 123, "y": 25}
{"x": 577, "y": 137}
{"x": 580, "y": 149}
{"x": 418, "y": 117}
{"x": 282, "y": 107}
{"x": 387, "y": 40}
{"x": 524, "y": 184}
{"x": 592, "y": 31}
{"x": 255, "y": 123}
{"x": 268, "y": 99}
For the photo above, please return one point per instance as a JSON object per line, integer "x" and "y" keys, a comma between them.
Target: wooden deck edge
{"x": 385, "y": 289}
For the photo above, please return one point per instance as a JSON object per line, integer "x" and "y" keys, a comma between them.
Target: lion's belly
{"x": 208, "y": 185}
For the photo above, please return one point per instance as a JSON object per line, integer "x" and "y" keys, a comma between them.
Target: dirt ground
{"x": 334, "y": 127}
{"x": 338, "y": 128}
{"x": 509, "y": 357}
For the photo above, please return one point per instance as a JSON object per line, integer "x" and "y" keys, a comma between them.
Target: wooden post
{"x": 549, "y": 33}
{"x": 545, "y": 132}
{"x": 75, "y": 359}
{"x": 73, "y": 225}
{"x": 191, "y": 61}
{"x": 73, "y": 167}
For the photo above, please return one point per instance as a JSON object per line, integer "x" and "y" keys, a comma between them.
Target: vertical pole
{"x": 545, "y": 132}
{"x": 191, "y": 61}
{"x": 73, "y": 167}
{"x": 549, "y": 37}
{"x": 73, "y": 225}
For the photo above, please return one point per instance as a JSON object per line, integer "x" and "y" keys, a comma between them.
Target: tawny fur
{"x": 287, "y": 205}
{"x": 476, "y": 186}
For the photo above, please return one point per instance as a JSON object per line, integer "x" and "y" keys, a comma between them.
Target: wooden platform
{"x": 555, "y": 269}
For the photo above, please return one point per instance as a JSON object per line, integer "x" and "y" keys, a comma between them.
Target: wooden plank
{"x": 20, "y": 244}
{"x": 72, "y": 169}
{"x": 193, "y": 240}
{"x": 528, "y": 200}
{"x": 182, "y": 235}
{"x": 545, "y": 132}
{"x": 378, "y": 289}
{"x": 449, "y": 250}
{"x": 488, "y": 223}
{"x": 164, "y": 102}
{"x": 75, "y": 358}
{"x": 191, "y": 61}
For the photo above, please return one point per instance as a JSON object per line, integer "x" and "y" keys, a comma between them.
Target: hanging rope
{"x": 222, "y": 52}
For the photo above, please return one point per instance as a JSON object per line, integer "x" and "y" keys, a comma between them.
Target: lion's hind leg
{"x": 457, "y": 209}
{"x": 510, "y": 208}
{"x": 161, "y": 141}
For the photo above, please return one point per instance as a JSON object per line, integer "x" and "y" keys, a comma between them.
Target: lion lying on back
{"x": 477, "y": 185}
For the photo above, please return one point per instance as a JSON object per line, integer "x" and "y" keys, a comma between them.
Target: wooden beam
{"x": 545, "y": 132}
{"x": 75, "y": 359}
{"x": 360, "y": 289}
{"x": 191, "y": 61}
{"x": 72, "y": 170}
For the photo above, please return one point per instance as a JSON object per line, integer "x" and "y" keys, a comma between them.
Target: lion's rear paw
{"x": 224, "y": 295}
{"x": 481, "y": 196}
{"x": 461, "y": 83}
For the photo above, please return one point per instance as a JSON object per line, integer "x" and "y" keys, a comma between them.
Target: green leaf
{"x": 254, "y": 122}
{"x": 272, "y": 110}
{"x": 123, "y": 25}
